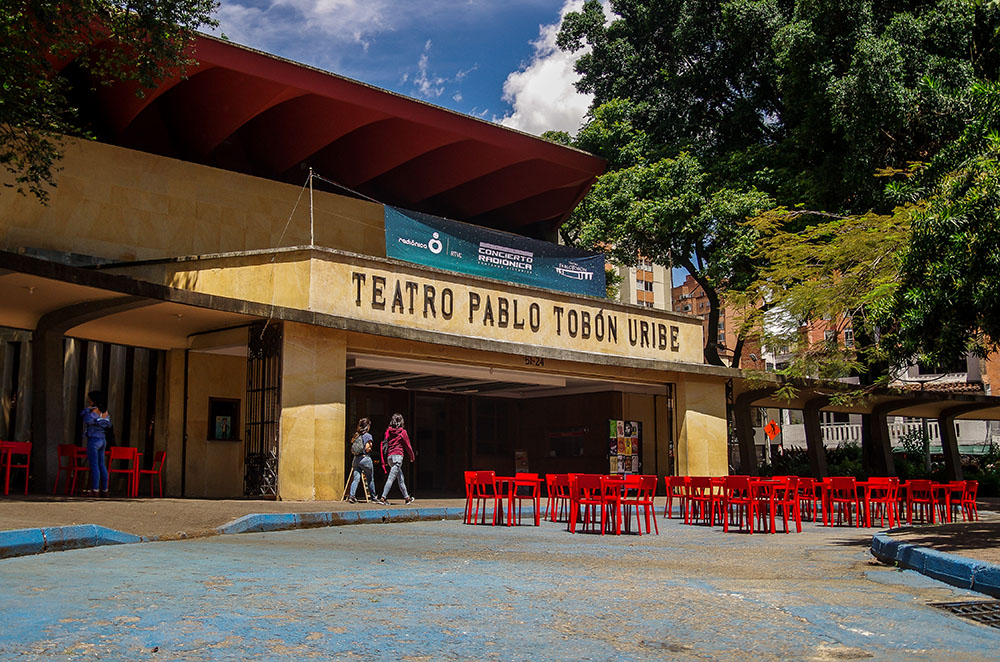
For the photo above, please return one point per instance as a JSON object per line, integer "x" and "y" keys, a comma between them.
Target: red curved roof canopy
{"x": 251, "y": 112}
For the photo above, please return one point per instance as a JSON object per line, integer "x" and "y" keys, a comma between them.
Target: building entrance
{"x": 459, "y": 423}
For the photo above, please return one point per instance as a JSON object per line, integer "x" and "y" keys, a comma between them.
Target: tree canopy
{"x": 37, "y": 37}
{"x": 776, "y": 106}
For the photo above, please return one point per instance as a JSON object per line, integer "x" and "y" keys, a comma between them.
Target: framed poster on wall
{"x": 625, "y": 442}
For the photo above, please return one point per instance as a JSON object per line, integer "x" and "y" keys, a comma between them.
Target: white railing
{"x": 837, "y": 433}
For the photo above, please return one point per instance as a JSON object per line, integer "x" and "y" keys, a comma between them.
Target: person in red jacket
{"x": 395, "y": 442}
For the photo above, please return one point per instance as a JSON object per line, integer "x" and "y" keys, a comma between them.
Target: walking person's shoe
{"x": 104, "y": 494}
{"x": 381, "y": 500}
{"x": 408, "y": 500}
{"x": 352, "y": 499}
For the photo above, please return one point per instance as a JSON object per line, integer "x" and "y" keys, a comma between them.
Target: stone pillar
{"x": 949, "y": 440}
{"x": 311, "y": 455}
{"x": 877, "y": 455}
{"x": 815, "y": 448}
{"x": 701, "y": 445}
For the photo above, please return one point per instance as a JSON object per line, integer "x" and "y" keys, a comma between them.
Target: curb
{"x": 26, "y": 542}
{"x": 949, "y": 568}
{"x": 286, "y": 521}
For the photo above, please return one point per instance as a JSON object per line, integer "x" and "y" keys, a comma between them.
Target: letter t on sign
{"x": 359, "y": 280}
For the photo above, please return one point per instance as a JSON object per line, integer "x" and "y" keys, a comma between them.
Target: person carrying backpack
{"x": 361, "y": 447}
{"x": 396, "y": 440}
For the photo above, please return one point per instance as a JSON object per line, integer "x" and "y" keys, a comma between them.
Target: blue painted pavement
{"x": 444, "y": 590}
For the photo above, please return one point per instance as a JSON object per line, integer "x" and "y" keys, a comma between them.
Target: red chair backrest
{"x": 971, "y": 487}
{"x": 17, "y": 447}
{"x": 485, "y": 484}
{"x": 737, "y": 486}
{"x": 844, "y": 487}
{"x": 122, "y": 453}
{"x": 920, "y": 489}
{"x": 159, "y": 457}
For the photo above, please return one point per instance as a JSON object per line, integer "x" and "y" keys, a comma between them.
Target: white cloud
{"x": 542, "y": 92}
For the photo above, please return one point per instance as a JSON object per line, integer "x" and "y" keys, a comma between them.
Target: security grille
{"x": 986, "y": 612}
{"x": 263, "y": 409}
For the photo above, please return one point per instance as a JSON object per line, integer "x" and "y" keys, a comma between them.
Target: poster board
{"x": 625, "y": 442}
{"x": 521, "y": 461}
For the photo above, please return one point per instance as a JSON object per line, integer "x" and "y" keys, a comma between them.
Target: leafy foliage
{"x": 38, "y": 36}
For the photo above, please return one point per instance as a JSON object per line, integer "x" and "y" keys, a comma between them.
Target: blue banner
{"x": 469, "y": 249}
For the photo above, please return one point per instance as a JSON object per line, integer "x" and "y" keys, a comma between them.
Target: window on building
{"x": 687, "y": 308}
{"x": 830, "y": 336}
{"x": 848, "y": 337}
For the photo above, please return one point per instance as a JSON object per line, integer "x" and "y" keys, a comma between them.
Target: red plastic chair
{"x": 484, "y": 491}
{"x": 969, "y": 510}
{"x": 80, "y": 465}
{"x": 470, "y": 480}
{"x": 157, "y": 470}
{"x": 585, "y": 499}
{"x": 843, "y": 497}
{"x": 612, "y": 493}
{"x": 950, "y": 502}
{"x": 643, "y": 497}
{"x": 526, "y": 487}
{"x": 559, "y": 498}
{"x": 131, "y": 456}
{"x": 677, "y": 488}
{"x": 920, "y": 496}
{"x": 738, "y": 503}
{"x": 786, "y": 502}
{"x": 65, "y": 452}
{"x": 705, "y": 500}
{"x": 810, "y": 502}
{"x": 882, "y": 500}
{"x": 10, "y": 450}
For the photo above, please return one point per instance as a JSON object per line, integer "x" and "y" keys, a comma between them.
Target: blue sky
{"x": 495, "y": 59}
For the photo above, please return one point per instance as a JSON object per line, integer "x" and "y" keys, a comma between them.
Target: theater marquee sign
{"x": 480, "y": 310}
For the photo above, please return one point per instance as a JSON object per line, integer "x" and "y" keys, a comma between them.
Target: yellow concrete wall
{"x": 214, "y": 468}
{"x": 313, "y": 409}
{"x": 701, "y": 439}
{"x": 127, "y": 205}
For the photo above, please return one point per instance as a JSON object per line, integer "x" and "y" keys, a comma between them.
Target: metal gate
{"x": 263, "y": 409}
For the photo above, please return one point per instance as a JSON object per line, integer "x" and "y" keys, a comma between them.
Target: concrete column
{"x": 743, "y": 414}
{"x": 949, "y": 440}
{"x": 311, "y": 451}
{"x": 877, "y": 453}
{"x": 701, "y": 444}
{"x": 815, "y": 448}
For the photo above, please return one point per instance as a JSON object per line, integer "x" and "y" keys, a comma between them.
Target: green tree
{"x": 38, "y": 36}
{"x": 798, "y": 103}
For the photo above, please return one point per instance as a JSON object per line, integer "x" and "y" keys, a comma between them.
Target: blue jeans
{"x": 395, "y": 473}
{"x": 95, "y": 458}
{"x": 363, "y": 464}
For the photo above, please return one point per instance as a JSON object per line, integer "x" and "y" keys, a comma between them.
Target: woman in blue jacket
{"x": 95, "y": 422}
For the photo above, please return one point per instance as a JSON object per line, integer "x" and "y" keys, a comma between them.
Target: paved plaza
{"x": 443, "y": 590}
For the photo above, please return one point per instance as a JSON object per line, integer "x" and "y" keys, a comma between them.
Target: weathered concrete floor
{"x": 442, "y": 590}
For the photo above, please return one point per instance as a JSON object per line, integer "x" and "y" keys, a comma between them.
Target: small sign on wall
{"x": 223, "y": 419}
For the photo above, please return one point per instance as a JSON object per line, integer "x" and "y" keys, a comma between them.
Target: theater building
{"x": 242, "y": 315}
